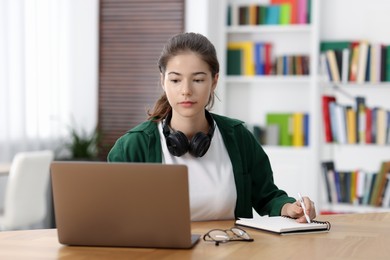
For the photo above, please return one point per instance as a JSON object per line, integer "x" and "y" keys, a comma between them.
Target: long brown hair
{"x": 179, "y": 43}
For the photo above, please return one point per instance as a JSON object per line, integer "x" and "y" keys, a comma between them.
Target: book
{"x": 375, "y": 62}
{"x": 334, "y": 45}
{"x": 341, "y": 189}
{"x": 341, "y": 123}
{"x": 337, "y": 183}
{"x": 368, "y": 126}
{"x": 326, "y": 99}
{"x": 302, "y": 11}
{"x": 386, "y": 193}
{"x": 253, "y": 14}
{"x": 259, "y": 58}
{"x": 273, "y": 15}
{"x": 351, "y": 125}
{"x": 284, "y": 122}
{"x": 243, "y": 12}
{"x": 352, "y": 193}
{"x": 248, "y": 55}
{"x": 306, "y": 129}
{"x": 324, "y": 69}
{"x": 379, "y": 184}
{"x": 293, "y": 7}
{"x": 260, "y": 134}
{"x": 328, "y": 168}
{"x": 334, "y": 68}
{"x": 381, "y": 126}
{"x": 362, "y": 62}
{"x": 353, "y": 69}
{"x": 285, "y": 14}
{"x": 367, "y": 187}
{"x": 268, "y": 59}
{"x": 345, "y": 65}
{"x": 387, "y": 63}
{"x": 368, "y": 64}
{"x": 383, "y": 54}
{"x": 263, "y": 9}
{"x": 229, "y": 15}
{"x": 234, "y": 62}
{"x": 298, "y": 130}
{"x": 283, "y": 225}
{"x": 272, "y": 135}
{"x": 360, "y": 185}
{"x": 360, "y": 119}
{"x": 333, "y": 121}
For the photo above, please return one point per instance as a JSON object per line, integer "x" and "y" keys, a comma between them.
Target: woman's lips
{"x": 187, "y": 103}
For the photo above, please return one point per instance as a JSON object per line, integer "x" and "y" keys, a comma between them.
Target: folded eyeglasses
{"x": 227, "y": 235}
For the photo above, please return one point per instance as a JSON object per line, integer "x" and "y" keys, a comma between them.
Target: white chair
{"x": 25, "y": 202}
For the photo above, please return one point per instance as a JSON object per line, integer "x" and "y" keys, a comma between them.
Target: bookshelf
{"x": 250, "y": 98}
{"x": 342, "y": 27}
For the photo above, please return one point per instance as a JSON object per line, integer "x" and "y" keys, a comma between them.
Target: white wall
{"x": 83, "y": 63}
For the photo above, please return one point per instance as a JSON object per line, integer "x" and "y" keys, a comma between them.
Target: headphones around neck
{"x": 178, "y": 143}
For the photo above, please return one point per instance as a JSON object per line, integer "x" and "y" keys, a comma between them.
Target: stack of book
{"x": 278, "y": 12}
{"x": 357, "y": 187}
{"x": 355, "y": 61}
{"x": 358, "y": 124}
{"x": 248, "y": 58}
{"x": 292, "y": 65}
{"x": 287, "y": 129}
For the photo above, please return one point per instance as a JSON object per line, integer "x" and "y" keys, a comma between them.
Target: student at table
{"x": 229, "y": 172}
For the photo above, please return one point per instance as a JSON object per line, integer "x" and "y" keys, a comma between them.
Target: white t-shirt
{"x": 211, "y": 181}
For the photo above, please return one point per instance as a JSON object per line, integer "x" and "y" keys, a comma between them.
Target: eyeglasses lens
{"x": 219, "y": 235}
{"x": 240, "y": 233}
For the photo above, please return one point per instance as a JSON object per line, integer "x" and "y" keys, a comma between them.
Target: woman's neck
{"x": 189, "y": 125}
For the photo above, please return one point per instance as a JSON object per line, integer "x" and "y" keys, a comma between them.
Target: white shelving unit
{"x": 250, "y": 98}
{"x": 355, "y": 20}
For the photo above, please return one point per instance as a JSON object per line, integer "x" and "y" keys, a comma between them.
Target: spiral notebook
{"x": 283, "y": 225}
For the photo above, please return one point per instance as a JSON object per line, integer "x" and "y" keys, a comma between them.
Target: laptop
{"x": 122, "y": 204}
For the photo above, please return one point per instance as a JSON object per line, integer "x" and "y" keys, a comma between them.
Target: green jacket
{"x": 252, "y": 170}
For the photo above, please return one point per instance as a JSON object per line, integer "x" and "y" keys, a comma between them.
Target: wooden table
{"x": 354, "y": 236}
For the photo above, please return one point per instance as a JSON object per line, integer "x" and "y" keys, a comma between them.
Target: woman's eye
{"x": 198, "y": 80}
{"x": 174, "y": 80}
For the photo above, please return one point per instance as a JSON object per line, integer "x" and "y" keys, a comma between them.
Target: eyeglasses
{"x": 227, "y": 235}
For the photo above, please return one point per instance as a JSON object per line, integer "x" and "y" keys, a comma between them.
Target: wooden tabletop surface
{"x": 352, "y": 236}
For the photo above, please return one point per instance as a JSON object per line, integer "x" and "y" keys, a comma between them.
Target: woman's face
{"x": 188, "y": 84}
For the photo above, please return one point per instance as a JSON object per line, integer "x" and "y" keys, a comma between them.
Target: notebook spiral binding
{"x": 328, "y": 225}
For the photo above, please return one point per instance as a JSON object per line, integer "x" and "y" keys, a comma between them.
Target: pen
{"x": 304, "y": 208}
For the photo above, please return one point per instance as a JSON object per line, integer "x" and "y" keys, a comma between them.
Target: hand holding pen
{"x": 303, "y": 209}
{"x": 302, "y": 202}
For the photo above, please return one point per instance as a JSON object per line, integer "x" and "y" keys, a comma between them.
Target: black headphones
{"x": 178, "y": 143}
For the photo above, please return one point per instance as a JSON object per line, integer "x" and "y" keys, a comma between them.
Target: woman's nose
{"x": 186, "y": 88}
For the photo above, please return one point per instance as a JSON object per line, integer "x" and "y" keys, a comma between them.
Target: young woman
{"x": 229, "y": 172}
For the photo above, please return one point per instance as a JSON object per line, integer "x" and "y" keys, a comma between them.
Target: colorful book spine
{"x": 357, "y": 187}
{"x": 248, "y": 55}
{"x": 276, "y": 12}
{"x": 298, "y": 138}
{"x": 346, "y": 124}
{"x": 355, "y": 61}
{"x": 292, "y": 128}
{"x": 326, "y": 117}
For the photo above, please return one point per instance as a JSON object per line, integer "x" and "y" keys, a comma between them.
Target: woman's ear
{"x": 215, "y": 81}
{"x": 162, "y": 81}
